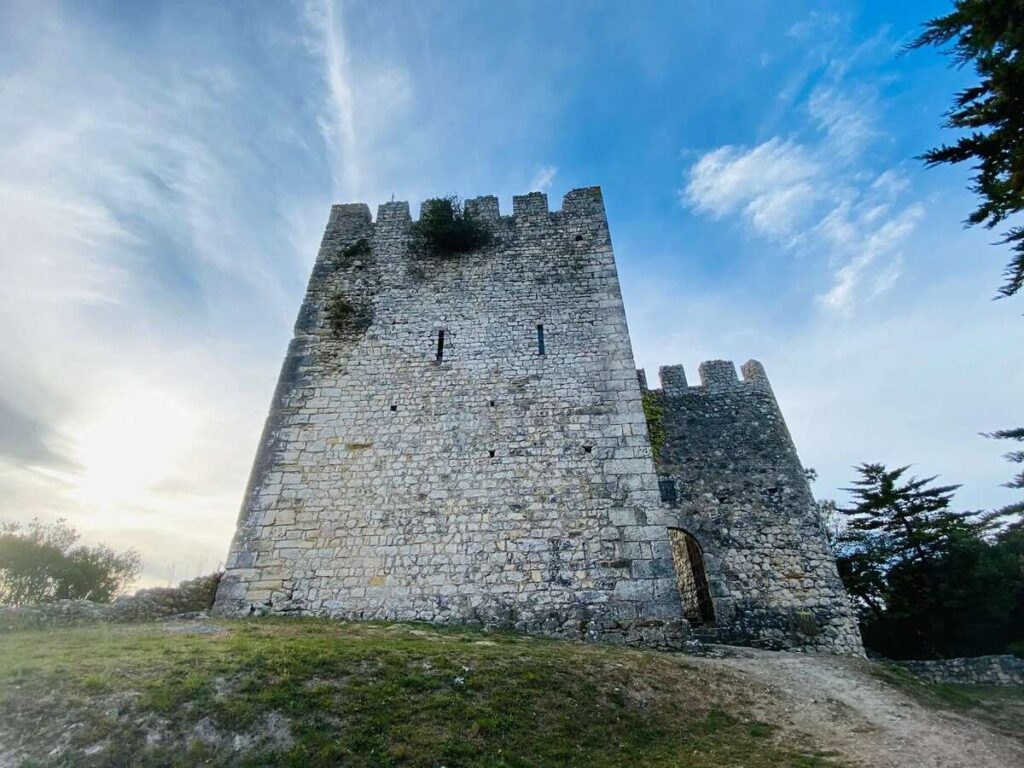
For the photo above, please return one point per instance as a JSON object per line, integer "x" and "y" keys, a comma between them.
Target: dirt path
{"x": 843, "y": 707}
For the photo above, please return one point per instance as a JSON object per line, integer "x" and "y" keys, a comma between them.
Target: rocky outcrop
{"x": 188, "y": 597}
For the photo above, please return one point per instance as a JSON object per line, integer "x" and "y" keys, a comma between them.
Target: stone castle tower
{"x": 471, "y": 446}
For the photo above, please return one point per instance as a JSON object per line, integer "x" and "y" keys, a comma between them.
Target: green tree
{"x": 988, "y": 34}
{"x": 1016, "y": 457}
{"x": 928, "y": 581}
{"x": 827, "y": 513}
{"x": 42, "y": 562}
{"x": 911, "y": 517}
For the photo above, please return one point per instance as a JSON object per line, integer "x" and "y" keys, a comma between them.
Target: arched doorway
{"x": 691, "y": 577}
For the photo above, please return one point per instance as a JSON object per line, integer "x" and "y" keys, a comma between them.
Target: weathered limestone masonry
{"x": 474, "y": 479}
{"x": 728, "y": 463}
{"x": 471, "y": 446}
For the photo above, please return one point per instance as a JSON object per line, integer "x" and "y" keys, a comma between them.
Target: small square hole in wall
{"x": 588, "y": 448}
{"x": 491, "y": 404}
{"x": 394, "y": 408}
{"x": 491, "y": 453}
{"x": 578, "y": 238}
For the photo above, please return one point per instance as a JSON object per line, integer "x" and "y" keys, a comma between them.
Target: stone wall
{"x": 977, "y": 670}
{"x": 191, "y": 596}
{"x": 494, "y": 484}
{"x": 733, "y": 474}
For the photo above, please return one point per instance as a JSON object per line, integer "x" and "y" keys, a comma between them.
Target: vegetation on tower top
{"x": 445, "y": 228}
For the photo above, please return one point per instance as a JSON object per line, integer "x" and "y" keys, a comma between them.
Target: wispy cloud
{"x": 816, "y": 191}
{"x": 337, "y": 119}
{"x": 138, "y": 235}
{"x": 771, "y": 184}
{"x": 541, "y": 181}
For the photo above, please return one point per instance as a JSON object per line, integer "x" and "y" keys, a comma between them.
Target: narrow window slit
{"x": 440, "y": 346}
{"x": 540, "y": 339}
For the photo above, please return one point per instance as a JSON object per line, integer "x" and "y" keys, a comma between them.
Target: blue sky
{"x": 166, "y": 171}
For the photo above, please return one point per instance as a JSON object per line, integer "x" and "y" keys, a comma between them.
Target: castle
{"x": 473, "y": 444}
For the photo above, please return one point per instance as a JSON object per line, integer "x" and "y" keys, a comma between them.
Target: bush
{"x": 40, "y": 563}
{"x": 347, "y": 317}
{"x": 360, "y": 247}
{"x": 445, "y": 228}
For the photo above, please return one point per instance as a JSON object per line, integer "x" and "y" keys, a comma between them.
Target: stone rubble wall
{"x": 977, "y": 670}
{"x": 741, "y": 492}
{"x": 191, "y": 596}
{"x": 499, "y": 486}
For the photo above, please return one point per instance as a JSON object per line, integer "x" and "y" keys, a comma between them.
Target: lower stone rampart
{"x": 976, "y": 670}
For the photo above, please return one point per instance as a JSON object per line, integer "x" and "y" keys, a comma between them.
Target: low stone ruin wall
{"x": 188, "y": 597}
{"x": 978, "y": 670}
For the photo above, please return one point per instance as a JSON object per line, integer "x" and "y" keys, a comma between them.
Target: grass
{"x": 1001, "y": 707}
{"x": 316, "y": 693}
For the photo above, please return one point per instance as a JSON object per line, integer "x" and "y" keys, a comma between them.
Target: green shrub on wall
{"x": 360, "y": 247}
{"x": 444, "y": 228}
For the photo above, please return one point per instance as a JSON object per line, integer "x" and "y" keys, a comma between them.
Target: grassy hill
{"x": 318, "y": 693}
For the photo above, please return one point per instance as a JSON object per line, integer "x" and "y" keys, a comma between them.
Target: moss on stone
{"x": 348, "y": 317}
{"x": 654, "y": 412}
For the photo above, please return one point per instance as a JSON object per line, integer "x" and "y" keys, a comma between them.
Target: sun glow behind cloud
{"x": 139, "y": 437}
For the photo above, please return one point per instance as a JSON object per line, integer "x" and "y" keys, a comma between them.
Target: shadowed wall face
{"x": 742, "y": 493}
{"x": 477, "y": 452}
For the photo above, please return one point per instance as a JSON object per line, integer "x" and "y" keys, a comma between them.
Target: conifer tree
{"x": 898, "y": 532}
{"x": 1017, "y": 457}
{"x": 988, "y": 34}
{"x": 909, "y": 520}
{"x": 927, "y": 580}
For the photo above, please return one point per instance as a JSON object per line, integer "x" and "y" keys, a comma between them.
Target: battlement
{"x": 584, "y": 203}
{"x": 715, "y": 376}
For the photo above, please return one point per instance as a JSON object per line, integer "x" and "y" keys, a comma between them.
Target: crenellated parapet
{"x": 715, "y": 376}
{"x": 578, "y": 205}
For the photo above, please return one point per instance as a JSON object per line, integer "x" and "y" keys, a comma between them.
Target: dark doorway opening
{"x": 691, "y": 577}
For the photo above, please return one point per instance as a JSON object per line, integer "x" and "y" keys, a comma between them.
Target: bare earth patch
{"x": 844, "y": 707}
